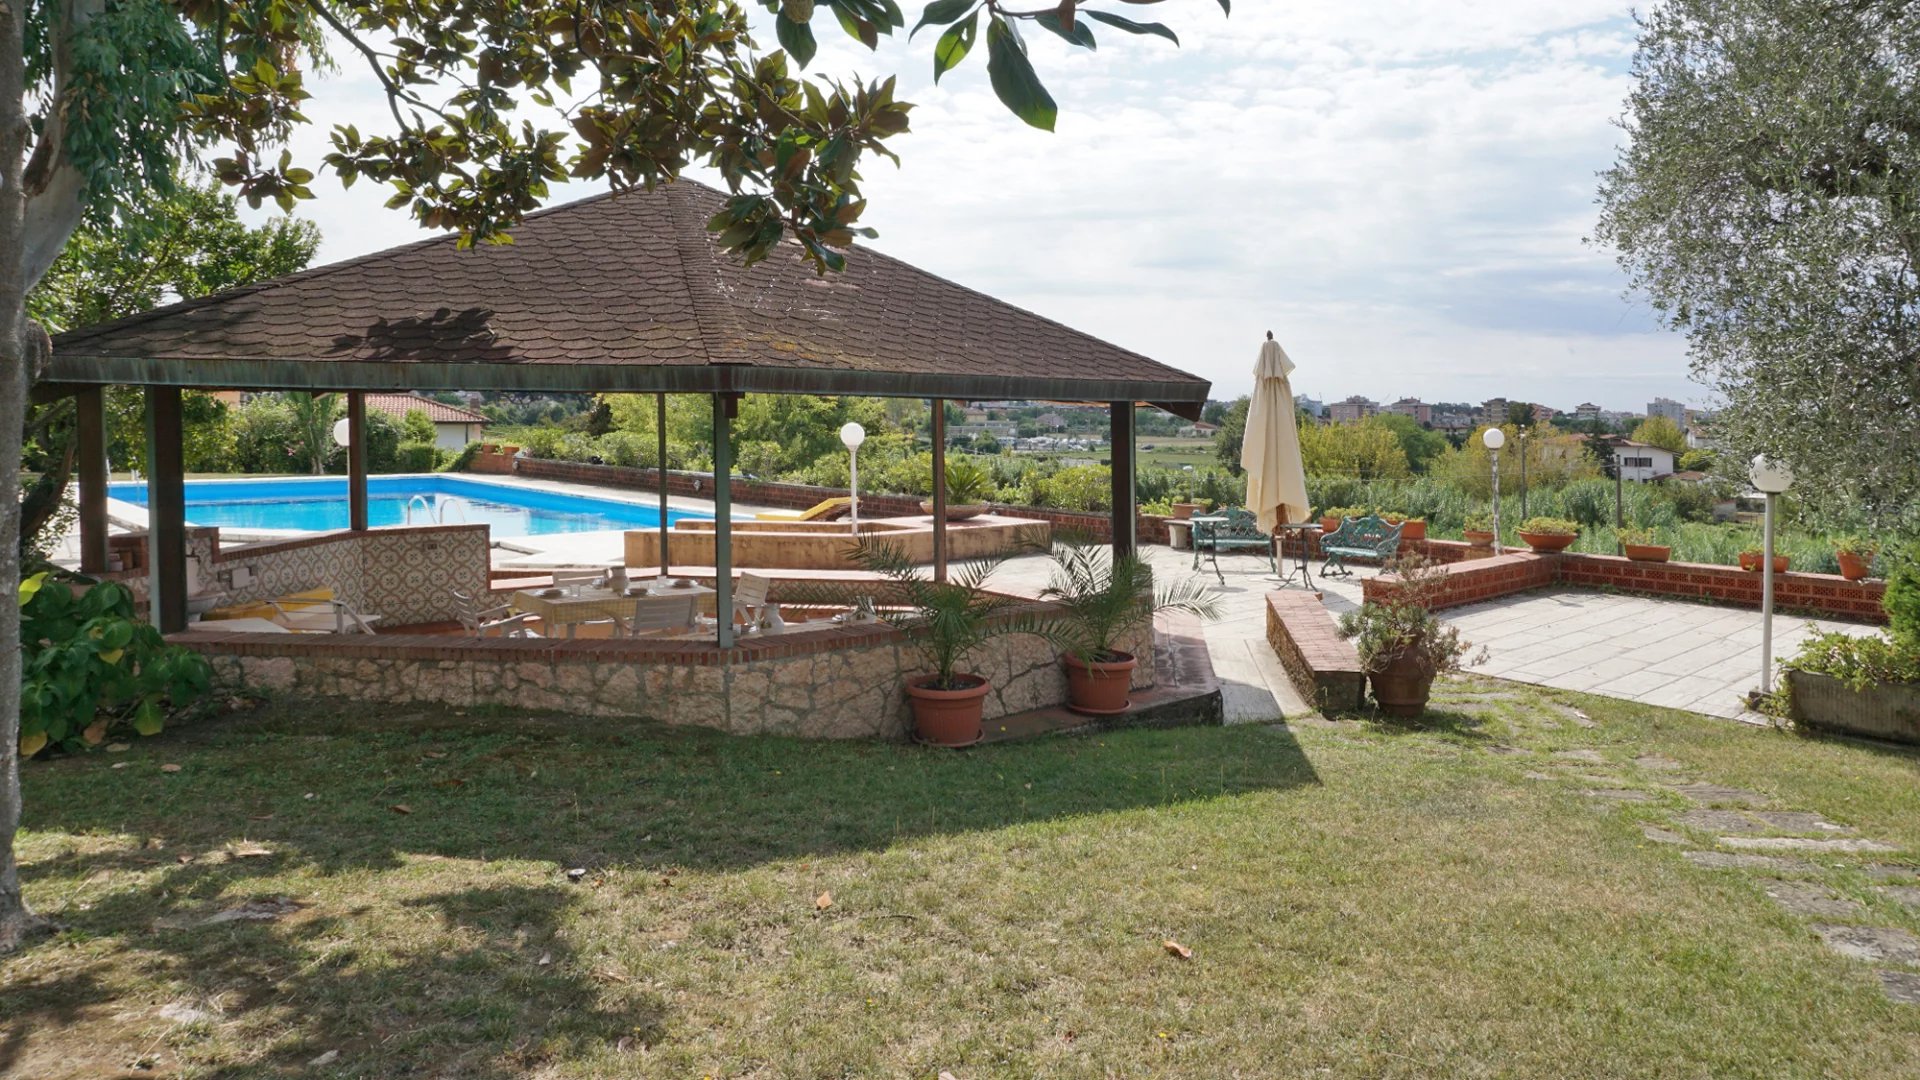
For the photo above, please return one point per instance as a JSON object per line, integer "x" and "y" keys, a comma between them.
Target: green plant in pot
{"x": 1549, "y": 534}
{"x": 1334, "y": 516}
{"x": 1478, "y": 530}
{"x": 1105, "y": 601}
{"x": 969, "y": 485}
{"x": 1402, "y": 645}
{"x": 1641, "y": 545}
{"x": 1856, "y": 555}
{"x": 945, "y": 621}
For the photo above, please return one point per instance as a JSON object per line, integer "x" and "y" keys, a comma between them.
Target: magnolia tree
{"x": 1768, "y": 205}
{"x": 487, "y": 105}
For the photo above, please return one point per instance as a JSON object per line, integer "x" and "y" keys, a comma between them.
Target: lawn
{"x": 1358, "y": 899}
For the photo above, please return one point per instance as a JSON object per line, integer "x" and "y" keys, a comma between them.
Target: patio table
{"x": 588, "y": 604}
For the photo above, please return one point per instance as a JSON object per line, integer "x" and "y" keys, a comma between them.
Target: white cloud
{"x": 1399, "y": 189}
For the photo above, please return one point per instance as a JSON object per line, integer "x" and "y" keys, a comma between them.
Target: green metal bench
{"x": 1235, "y": 529}
{"x": 1367, "y": 537}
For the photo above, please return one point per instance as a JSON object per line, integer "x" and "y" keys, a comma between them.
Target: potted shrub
{"x": 1858, "y": 685}
{"x": 945, "y": 621}
{"x": 1752, "y": 558}
{"x": 1411, "y": 528}
{"x": 1856, "y": 555}
{"x": 1402, "y": 646}
{"x": 1549, "y": 534}
{"x": 1106, "y": 600}
{"x": 1478, "y": 531}
{"x": 968, "y": 486}
{"x": 1640, "y": 547}
{"x": 1331, "y": 518}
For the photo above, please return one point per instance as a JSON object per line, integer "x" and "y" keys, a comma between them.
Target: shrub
{"x": 1902, "y": 598}
{"x": 464, "y": 459}
{"x": 418, "y": 427}
{"x": 1548, "y": 526}
{"x": 1405, "y": 622}
{"x": 418, "y": 457}
{"x": 89, "y": 668}
{"x": 1858, "y": 661}
{"x": 1636, "y": 537}
{"x": 382, "y": 433}
{"x": 1344, "y": 512}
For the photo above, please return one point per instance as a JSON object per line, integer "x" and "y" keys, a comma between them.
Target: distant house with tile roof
{"x": 454, "y": 427}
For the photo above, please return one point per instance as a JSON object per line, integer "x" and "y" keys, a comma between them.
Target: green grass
{"x": 1361, "y": 900}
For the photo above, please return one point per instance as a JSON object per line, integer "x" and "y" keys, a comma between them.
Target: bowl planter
{"x": 1750, "y": 560}
{"x": 948, "y": 717}
{"x": 1402, "y": 683}
{"x": 1328, "y": 524}
{"x": 1413, "y": 529}
{"x": 1548, "y": 541}
{"x": 955, "y": 513}
{"x": 1883, "y": 710}
{"x": 1478, "y": 538}
{"x": 1100, "y": 687}
{"x": 1183, "y": 511}
{"x": 1648, "y": 552}
{"x": 1853, "y": 567}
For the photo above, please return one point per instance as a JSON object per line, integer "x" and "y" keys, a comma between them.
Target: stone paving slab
{"x": 1718, "y": 794}
{"x": 1902, "y": 987}
{"x": 1718, "y": 821}
{"x": 1892, "y": 872}
{"x": 1620, "y": 795}
{"x": 1907, "y": 895}
{"x": 1801, "y": 843}
{"x": 1662, "y": 836}
{"x": 1726, "y": 860}
{"x": 1799, "y": 821}
{"x": 1873, "y": 944}
{"x": 1813, "y": 901}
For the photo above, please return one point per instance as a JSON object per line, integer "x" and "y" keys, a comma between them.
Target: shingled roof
{"x": 625, "y": 291}
{"x": 399, "y": 405}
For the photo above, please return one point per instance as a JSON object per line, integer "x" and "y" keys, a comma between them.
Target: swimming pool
{"x": 319, "y": 504}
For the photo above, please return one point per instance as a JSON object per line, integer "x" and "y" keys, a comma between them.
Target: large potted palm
{"x": 1106, "y": 600}
{"x": 945, "y": 620}
{"x": 1402, "y": 646}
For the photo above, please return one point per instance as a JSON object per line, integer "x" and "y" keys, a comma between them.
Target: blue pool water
{"x": 319, "y": 504}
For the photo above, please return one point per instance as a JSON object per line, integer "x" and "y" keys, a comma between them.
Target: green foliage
{"x": 1661, "y": 432}
{"x": 1902, "y": 598}
{"x": 1478, "y": 523}
{"x": 1550, "y": 526}
{"x": 418, "y": 457}
{"x": 90, "y": 668}
{"x": 1857, "y": 545}
{"x": 312, "y": 418}
{"x": 418, "y": 427}
{"x": 1345, "y": 512}
{"x": 1701, "y": 460}
{"x": 383, "y": 443}
{"x": 1107, "y": 599}
{"x": 1405, "y": 624}
{"x": 1232, "y": 433}
{"x": 1422, "y": 446}
{"x": 1858, "y": 661}
{"x": 1076, "y": 487}
{"x": 1366, "y": 450}
{"x": 1637, "y": 537}
{"x": 1765, "y": 207}
{"x": 944, "y": 620}
{"x": 967, "y": 482}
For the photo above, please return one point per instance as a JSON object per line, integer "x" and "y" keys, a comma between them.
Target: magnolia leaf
{"x": 796, "y": 38}
{"x": 940, "y": 13}
{"x": 112, "y": 656}
{"x": 954, "y": 45}
{"x": 1014, "y": 80}
{"x": 401, "y": 808}
{"x": 1131, "y": 27}
{"x": 30, "y": 586}
{"x": 823, "y": 901}
{"x": 147, "y": 720}
{"x": 169, "y": 767}
{"x": 1174, "y": 948}
{"x": 95, "y": 733}
{"x": 31, "y": 744}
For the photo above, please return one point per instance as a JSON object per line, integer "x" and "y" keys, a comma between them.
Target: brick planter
{"x": 1322, "y": 665}
{"x": 1882, "y": 711}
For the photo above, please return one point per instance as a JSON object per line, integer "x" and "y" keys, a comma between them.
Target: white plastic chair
{"x": 659, "y": 615}
{"x": 481, "y": 621}
{"x": 322, "y": 616}
{"x": 750, "y": 597}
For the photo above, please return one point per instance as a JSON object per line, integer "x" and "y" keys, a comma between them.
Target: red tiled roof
{"x": 399, "y": 405}
{"x": 624, "y": 291}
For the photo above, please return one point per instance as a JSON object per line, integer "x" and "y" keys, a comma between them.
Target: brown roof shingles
{"x": 621, "y": 281}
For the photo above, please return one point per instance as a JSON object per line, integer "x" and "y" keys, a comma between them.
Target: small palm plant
{"x": 948, "y": 619}
{"x": 1107, "y": 599}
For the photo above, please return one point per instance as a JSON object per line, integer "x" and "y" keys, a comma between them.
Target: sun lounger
{"x": 824, "y": 510}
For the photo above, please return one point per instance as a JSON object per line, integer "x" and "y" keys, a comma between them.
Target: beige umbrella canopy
{"x": 1270, "y": 450}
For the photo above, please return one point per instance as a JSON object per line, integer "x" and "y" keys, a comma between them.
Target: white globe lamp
{"x": 851, "y": 436}
{"x": 1771, "y": 478}
{"x": 1494, "y": 440}
{"x": 342, "y": 432}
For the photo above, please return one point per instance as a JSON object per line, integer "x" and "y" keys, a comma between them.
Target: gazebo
{"x": 624, "y": 292}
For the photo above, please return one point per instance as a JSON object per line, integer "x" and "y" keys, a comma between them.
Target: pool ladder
{"x": 436, "y": 515}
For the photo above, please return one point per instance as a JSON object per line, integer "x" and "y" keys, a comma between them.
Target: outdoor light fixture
{"x": 1522, "y": 436}
{"x": 1771, "y": 478}
{"x": 342, "y": 433}
{"x": 1495, "y": 439}
{"x": 851, "y": 436}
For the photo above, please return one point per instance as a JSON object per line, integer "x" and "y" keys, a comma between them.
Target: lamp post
{"x": 1771, "y": 478}
{"x": 1522, "y": 436}
{"x": 1494, "y": 440}
{"x": 851, "y": 436}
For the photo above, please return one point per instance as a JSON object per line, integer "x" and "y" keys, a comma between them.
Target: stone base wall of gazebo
{"x": 842, "y": 682}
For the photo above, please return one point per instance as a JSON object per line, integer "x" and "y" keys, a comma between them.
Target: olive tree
{"x": 1766, "y": 204}
{"x": 489, "y": 104}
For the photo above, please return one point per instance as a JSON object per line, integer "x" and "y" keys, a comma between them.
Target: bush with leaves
{"x": 418, "y": 457}
{"x": 1106, "y": 599}
{"x": 89, "y": 667}
{"x": 1902, "y": 598}
{"x": 946, "y": 620}
{"x": 1403, "y": 625}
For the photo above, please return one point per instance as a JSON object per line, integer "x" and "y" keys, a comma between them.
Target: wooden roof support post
{"x": 166, "y": 512}
{"x": 90, "y": 438}
{"x": 357, "y": 460}
{"x": 660, "y": 422}
{"x": 1120, "y": 438}
{"x": 723, "y": 409}
{"x": 939, "y": 429}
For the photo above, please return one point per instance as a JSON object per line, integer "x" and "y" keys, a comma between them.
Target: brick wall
{"x": 1323, "y": 665}
{"x": 1492, "y": 576}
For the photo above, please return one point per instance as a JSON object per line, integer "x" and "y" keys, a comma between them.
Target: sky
{"x": 1401, "y": 190}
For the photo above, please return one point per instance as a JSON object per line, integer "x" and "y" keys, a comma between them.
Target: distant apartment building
{"x": 1453, "y": 423}
{"x": 1355, "y": 408}
{"x": 1421, "y": 412}
{"x": 1543, "y": 414}
{"x": 1493, "y": 411}
{"x": 1669, "y": 408}
{"x": 1586, "y": 412}
{"x": 1311, "y": 406}
{"x": 1641, "y": 461}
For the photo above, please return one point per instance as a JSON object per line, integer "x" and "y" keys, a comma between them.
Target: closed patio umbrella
{"x": 1270, "y": 449}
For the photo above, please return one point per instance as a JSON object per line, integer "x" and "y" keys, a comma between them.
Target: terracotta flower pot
{"x": 1853, "y": 566}
{"x": 1478, "y": 538}
{"x": 1548, "y": 541}
{"x": 955, "y": 512}
{"x": 1649, "y": 552}
{"x": 1328, "y": 524}
{"x": 1414, "y": 529}
{"x": 1183, "y": 511}
{"x": 948, "y": 717}
{"x": 1402, "y": 683}
{"x": 1750, "y": 560}
{"x": 1099, "y": 687}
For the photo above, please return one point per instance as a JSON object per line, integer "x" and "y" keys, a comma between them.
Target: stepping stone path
{"x": 1592, "y": 757}
{"x": 1620, "y": 795}
{"x": 1657, "y": 762}
{"x": 1878, "y": 945}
